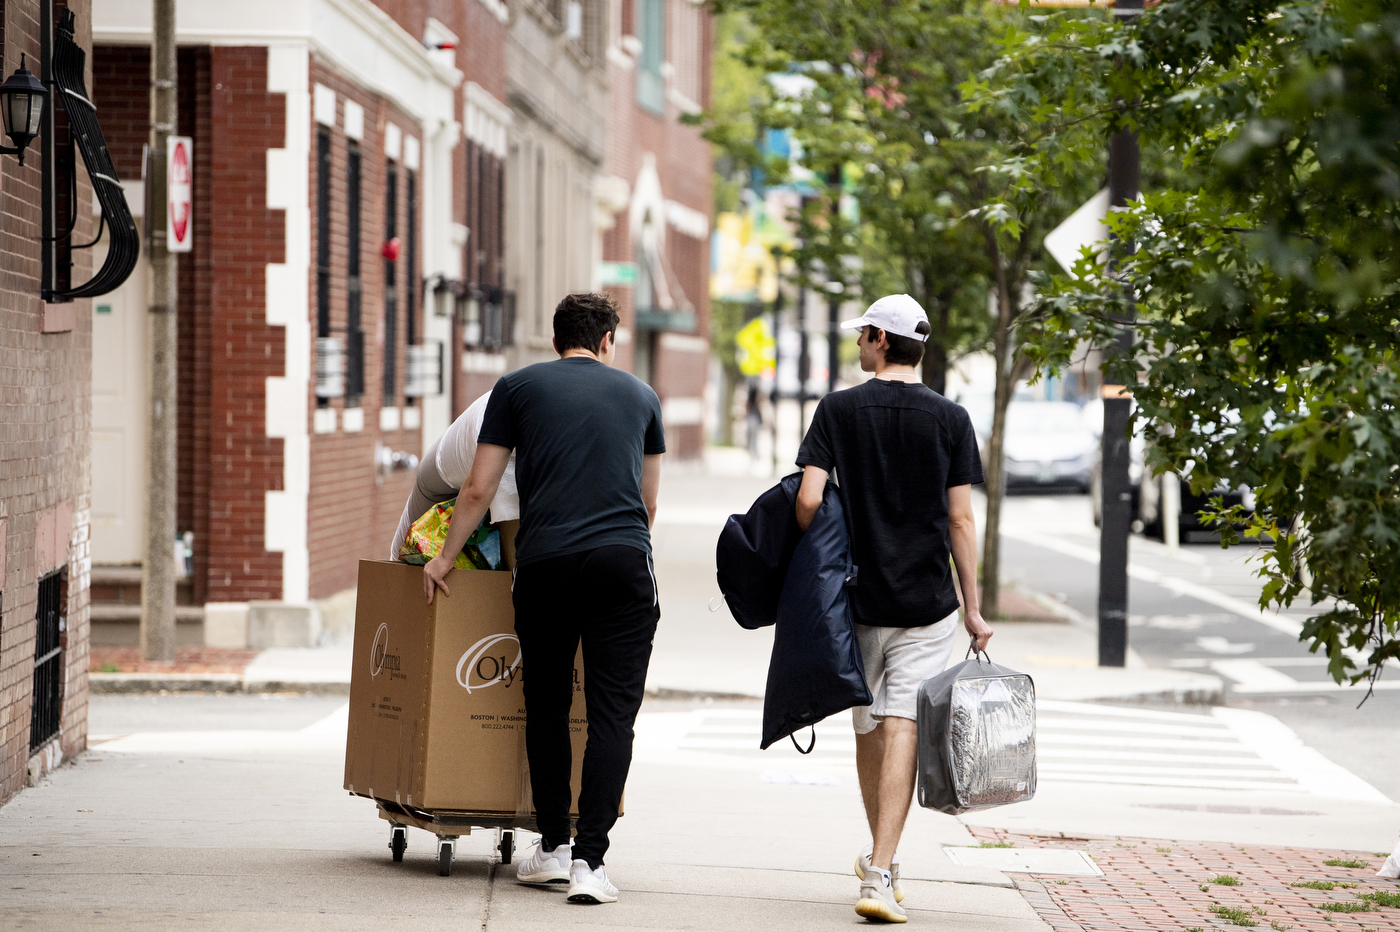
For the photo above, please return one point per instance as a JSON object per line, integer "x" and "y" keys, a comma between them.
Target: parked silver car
{"x": 1048, "y": 446}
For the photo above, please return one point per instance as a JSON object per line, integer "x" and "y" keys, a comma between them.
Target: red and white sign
{"x": 179, "y": 194}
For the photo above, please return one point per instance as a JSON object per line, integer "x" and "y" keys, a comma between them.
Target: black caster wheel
{"x": 398, "y": 841}
{"x": 507, "y": 846}
{"x": 444, "y": 858}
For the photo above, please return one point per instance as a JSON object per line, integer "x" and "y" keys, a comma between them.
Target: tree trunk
{"x": 1003, "y": 351}
{"x": 936, "y": 351}
{"x": 728, "y": 384}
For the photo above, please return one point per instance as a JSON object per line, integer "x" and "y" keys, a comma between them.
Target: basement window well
{"x": 48, "y": 662}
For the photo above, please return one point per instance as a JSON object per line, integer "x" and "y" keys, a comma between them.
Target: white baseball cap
{"x": 894, "y": 313}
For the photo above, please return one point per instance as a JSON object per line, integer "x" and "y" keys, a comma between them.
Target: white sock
{"x": 884, "y": 874}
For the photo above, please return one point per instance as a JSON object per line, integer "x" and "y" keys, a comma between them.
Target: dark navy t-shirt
{"x": 579, "y": 430}
{"x": 896, "y": 449}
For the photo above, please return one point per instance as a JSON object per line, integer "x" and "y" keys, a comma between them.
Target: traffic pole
{"x": 158, "y": 568}
{"x": 1124, "y": 164}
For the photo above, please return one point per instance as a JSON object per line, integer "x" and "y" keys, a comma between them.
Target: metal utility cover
{"x": 1027, "y": 860}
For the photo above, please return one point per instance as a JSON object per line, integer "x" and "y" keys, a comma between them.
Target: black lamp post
{"x": 21, "y": 105}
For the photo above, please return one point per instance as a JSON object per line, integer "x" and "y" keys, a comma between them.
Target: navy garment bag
{"x": 770, "y": 573}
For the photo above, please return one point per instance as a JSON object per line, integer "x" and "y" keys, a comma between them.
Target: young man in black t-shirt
{"x": 905, "y": 459}
{"x": 588, "y": 441}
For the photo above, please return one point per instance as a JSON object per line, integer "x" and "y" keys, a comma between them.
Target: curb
{"x": 133, "y": 683}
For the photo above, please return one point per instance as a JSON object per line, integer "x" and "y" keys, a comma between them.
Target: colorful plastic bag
{"x": 427, "y": 535}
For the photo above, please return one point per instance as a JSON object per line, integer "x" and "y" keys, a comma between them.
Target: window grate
{"x": 48, "y": 662}
{"x": 323, "y": 234}
{"x": 391, "y": 287}
{"x": 354, "y": 335}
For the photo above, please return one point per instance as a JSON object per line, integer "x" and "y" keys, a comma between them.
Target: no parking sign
{"x": 179, "y": 196}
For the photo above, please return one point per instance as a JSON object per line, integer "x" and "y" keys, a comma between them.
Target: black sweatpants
{"x": 608, "y": 598}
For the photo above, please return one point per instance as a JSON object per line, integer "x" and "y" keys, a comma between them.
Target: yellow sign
{"x": 757, "y": 348}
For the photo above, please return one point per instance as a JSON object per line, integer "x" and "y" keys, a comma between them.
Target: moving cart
{"x": 448, "y": 826}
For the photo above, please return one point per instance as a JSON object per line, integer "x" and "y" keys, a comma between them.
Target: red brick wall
{"x": 683, "y": 163}
{"x": 244, "y": 463}
{"x": 351, "y": 513}
{"x": 45, "y": 440}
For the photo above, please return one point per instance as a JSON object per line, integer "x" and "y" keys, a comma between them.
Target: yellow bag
{"x": 427, "y": 535}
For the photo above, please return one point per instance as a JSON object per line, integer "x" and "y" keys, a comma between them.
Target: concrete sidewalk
{"x": 251, "y": 830}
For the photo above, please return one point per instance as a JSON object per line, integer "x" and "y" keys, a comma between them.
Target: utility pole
{"x": 158, "y": 568}
{"x": 1123, "y": 168}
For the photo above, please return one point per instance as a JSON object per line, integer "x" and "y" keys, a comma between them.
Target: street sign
{"x": 1084, "y": 227}
{"x": 616, "y": 273}
{"x": 179, "y": 196}
{"x": 758, "y": 350}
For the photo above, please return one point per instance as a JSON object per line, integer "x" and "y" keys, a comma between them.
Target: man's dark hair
{"x": 581, "y": 320}
{"x": 903, "y": 351}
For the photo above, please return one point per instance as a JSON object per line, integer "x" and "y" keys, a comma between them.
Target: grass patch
{"x": 1194, "y": 929}
{"x": 1346, "y": 862}
{"x": 1387, "y": 898}
{"x": 109, "y": 668}
{"x": 1314, "y": 884}
{"x": 1238, "y": 916}
{"x": 1346, "y": 907}
{"x": 996, "y": 844}
{"x": 1278, "y": 926}
{"x": 1225, "y": 880}
{"x": 1063, "y": 883}
{"x": 1164, "y": 850}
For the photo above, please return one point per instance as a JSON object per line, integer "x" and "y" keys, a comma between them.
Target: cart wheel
{"x": 398, "y": 840}
{"x": 507, "y": 846}
{"x": 444, "y": 857}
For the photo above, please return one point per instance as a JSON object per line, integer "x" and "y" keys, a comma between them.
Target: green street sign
{"x": 616, "y": 273}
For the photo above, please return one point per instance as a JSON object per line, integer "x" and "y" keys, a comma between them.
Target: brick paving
{"x": 1156, "y": 885}
{"x": 187, "y": 660}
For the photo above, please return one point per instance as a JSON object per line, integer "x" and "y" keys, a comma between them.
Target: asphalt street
{"x": 1047, "y": 542}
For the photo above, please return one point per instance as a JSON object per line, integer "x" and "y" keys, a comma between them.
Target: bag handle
{"x": 974, "y": 653}
{"x": 810, "y": 745}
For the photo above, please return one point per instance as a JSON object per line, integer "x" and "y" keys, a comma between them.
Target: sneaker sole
{"x": 589, "y": 896}
{"x": 878, "y": 910}
{"x": 544, "y": 879}
{"x": 860, "y": 875}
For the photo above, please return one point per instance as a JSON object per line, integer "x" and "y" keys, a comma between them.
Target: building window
{"x": 354, "y": 333}
{"x": 391, "y": 282}
{"x": 327, "y": 356}
{"x": 410, "y": 297}
{"x": 47, "y": 712}
{"x": 651, "y": 31}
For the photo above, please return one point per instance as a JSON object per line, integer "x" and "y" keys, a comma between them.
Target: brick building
{"x": 658, "y": 177}
{"x": 326, "y": 302}
{"x": 45, "y": 410}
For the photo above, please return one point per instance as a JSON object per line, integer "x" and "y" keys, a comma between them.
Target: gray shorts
{"x": 897, "y": 661}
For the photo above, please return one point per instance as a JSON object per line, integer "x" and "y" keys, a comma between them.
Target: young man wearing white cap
{"x": 905, "y": 459}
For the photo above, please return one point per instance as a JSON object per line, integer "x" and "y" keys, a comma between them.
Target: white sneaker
{"x": 590, "y": 886}
{"x": 545, "y": 867}
{"x": 863, "y": 865}
{"x": 877, "y": 898}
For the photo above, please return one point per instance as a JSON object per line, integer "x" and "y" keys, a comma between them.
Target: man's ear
{"x": 608, "y": 339}
{"x": 554, "y": 342}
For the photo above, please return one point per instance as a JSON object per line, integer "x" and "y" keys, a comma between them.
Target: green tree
{"x": 1265, "y": 293}
{"x": 874, "y": 86}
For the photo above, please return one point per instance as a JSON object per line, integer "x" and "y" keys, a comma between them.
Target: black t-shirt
{"x": 579, "y": 429}
{"x": 896, "y": 448}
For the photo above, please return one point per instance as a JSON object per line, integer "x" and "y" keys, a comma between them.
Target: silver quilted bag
{"x": 976, "y": 737}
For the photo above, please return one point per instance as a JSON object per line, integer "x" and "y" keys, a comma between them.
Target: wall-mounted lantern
{"x": 21, "y": 105}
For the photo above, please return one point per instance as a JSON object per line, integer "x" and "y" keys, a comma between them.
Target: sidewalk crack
{"x": 490, "y": 892}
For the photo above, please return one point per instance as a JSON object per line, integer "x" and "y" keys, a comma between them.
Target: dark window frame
{"x": 354, "y": 329}
{"x": 46, "y": 716}
{"x": 391, "y": 286}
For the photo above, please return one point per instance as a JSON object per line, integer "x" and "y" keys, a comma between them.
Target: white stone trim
{"x": 687, "y": 220}
{"x": 682, "y": 412}
{"x": 354, "y": 121}
{"x": 289, "y": 306}
{"x": 324, "y": 105}
{"x": 354, "y": 36}
{"x": 684, "y": 343}
{"x": 353, "y": 420}
{"x": 412, "y": 152}
{"x": 393, "y": 142}
{"x": 498, "y": 9}
{"x": 485, "y": 120}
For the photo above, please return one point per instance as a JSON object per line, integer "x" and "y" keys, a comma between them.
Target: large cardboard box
{"x": 437, "y": 716}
